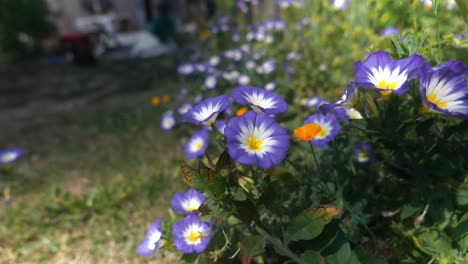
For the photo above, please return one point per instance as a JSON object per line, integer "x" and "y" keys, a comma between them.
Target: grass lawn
{"x": 96, "y": 172}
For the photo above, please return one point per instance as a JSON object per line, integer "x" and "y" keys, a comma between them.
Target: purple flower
{"x": 184, "y": 108}
{"x": 349, "y": 99}
{"x": 260, "y": 100}
{"x": 207, "y": 110}
{"x": 186, "y": 69}
{"x": 267, "y": 67}
{"x": 214, "y": 61}
{"x": 152, "y": 240}
{"x": 243, "y": 79}
{"x": 364, "y": 152}
{"x": 315, "y": 101}
{"x": 340, "y": 4}
{"x": 270, "y": 86}
{"x": 168, "y": 121}
{"x": 8, "y": 156}
{"x": 347, "y": 113}
{"x": 191, "y": 234}
{"x": 221, "y": 125}
{"x": 210, "y": 82}
{"x": 256, "y": 139}
{"x": 187, "y": 202}
{"x": 389, "y": 31}
{"x": 385, "y": 74}
{"x": 329, "y": 125}
{"x": 197, "y": 144}
{"x": 444, "y": 89}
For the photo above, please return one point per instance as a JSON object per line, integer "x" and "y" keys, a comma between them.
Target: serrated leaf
{"x": 253, "y": 246}
{"x": 310, "y": 223}
{"x": 312, "y": 257}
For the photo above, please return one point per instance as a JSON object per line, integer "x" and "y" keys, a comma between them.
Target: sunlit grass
{"x": 91, "y": 183}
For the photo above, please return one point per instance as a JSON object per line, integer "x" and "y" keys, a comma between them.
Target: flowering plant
{"x": 377, "y": 176}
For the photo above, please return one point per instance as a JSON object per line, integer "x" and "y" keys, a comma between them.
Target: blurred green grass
{"x": 92, "y": 181}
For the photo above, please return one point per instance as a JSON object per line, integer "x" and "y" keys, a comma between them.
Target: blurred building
{"x": 134, "y": 14}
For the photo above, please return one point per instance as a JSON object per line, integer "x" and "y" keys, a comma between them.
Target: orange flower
{"x": 204, "y": 35}
{"x": 242, "y": 111}
{"x": 307, "y": 132}
{"x": 166, "y": 99}
{"x": 155, "y": 101}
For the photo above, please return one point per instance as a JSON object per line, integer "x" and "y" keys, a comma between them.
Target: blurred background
{"x": 78, "y": 82}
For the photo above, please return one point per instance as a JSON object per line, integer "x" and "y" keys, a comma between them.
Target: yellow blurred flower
{"x": 204, "y": 35}
{"x": 166, "y": 99}
{"x": 155, "y": 101}
{"x": 242, "y": 111}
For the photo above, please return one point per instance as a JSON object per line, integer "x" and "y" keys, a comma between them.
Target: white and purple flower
{"x": 8, "y": 156}
{"x": 207, "y": 110}
{"x": 260, "y": 100}
{"x": 191, "y": 234}
{"x": 188, "y": 202}
{"x": 256, "y": 139}
{"x": 152, "y": 240}
{"x": 381, "y": 72}
{"x": 221, "y": 125}
{"x": 210, "y": 82}
{"x": 186, "y": 69}
{"x": 267, "y": 67}
{"x": 340, "y": 4}
{"x": 364, "y": 152}
{"x": 389, "y": 31}
{"x": 184, "y": 108}
{"x": 197, "y": 144}
{"x": 444, "y": 89}
{"x": 329, "y": 128}
{"x": 168, "y": 121}
{"x": 348, "y": 100}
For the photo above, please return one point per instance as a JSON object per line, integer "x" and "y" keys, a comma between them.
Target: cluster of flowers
{"x": 191, "y": 234}
{"x": 254, "y": 137}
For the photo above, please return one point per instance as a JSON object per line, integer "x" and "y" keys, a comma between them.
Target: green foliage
{"x": 22, "y": 18}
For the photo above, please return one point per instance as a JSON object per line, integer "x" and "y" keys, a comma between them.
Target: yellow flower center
{"x": 199, "y": 146}
{"x": 323, "y": 132}
{"x": 194, "y": 237}
{"x": 433, "y": 99}
{"x": 383, "y": 84}
{"x": 254, "y": 143}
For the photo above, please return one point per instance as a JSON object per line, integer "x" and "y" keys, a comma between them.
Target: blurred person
{"x": 163, "y": 25}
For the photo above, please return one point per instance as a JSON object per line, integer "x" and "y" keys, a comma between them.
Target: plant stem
{"x": 278, "y": 245}
{"x": 316, "y": 162}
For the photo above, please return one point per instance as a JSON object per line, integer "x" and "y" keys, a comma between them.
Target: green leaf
{"x": 462, "y": 194}
{"x": 408, "y": 210}
{"x": 190, "y": 258}
{"x": 224, "y": 162}
{"x": 463, "y": 9}
{"x": 253, "y": 245}
{"x": 460, "y": 231}
{"x": 312, "y": 257}
{"x": 208, "y": 178}
{"x": 310, "y": 223}
{"x": 343, "y": 256}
